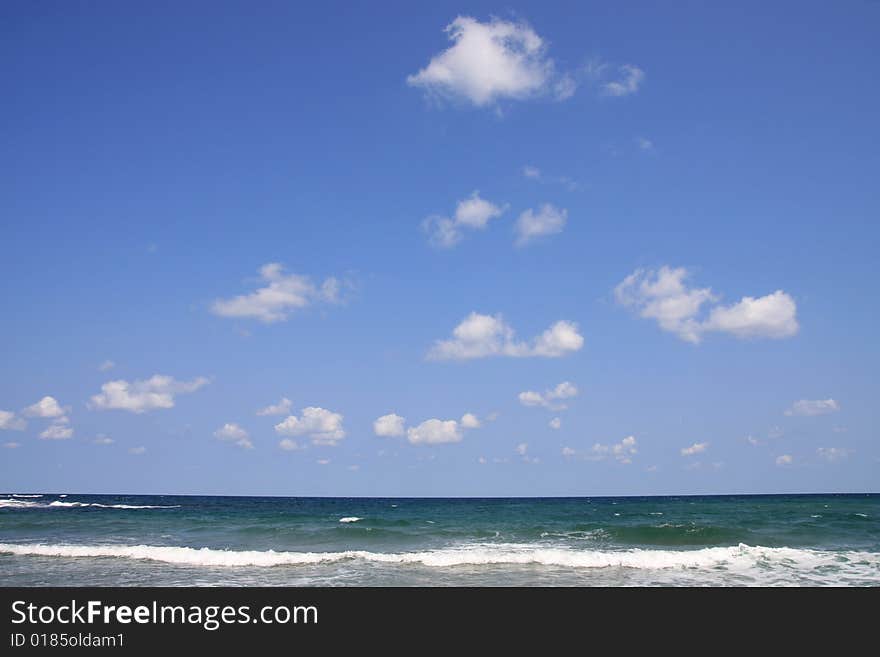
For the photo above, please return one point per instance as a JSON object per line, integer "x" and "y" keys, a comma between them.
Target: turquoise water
{"x": 183, "y": 540}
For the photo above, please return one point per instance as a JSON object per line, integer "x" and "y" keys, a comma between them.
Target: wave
{"x": 23, "y": 495}
{"x": 736, "y": 558}
{"x": 350, "y": 519}
{"x": 27, "y": 504}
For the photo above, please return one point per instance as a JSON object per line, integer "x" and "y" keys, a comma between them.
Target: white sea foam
{"x": 18, "y": 504}
{"x": 350, "y": 519}
{"x": 68, "y": 505}
{"x": 23, "y": 495}
{"x": 745, "y": 560}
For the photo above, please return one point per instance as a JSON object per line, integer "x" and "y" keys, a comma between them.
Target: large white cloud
{"x": 158, "y": 391}
{"x": 549, "y": 398}
{"x": 629, "y": 80}
{"x": 46, "y": 407}
{"x": 282, "y": 294}
{"x": 435, "y": 432}
{"x": 231, "y": 432}
{"x": 390, "y": 425}
{"x": 472, "y": 213}
{"x": 281, "y": 408}
{"x": 9, "y": 421}
{"x": 323, "y": 427}
{"x": 810, "y": 407}
{"x": 482, "y": 336}
{"x": 533, "y": 224}
{"x": 665, "y": 297}
{"x": 492, "y": 61}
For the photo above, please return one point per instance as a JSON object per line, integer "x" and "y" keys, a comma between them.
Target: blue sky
{"x": 211, "y": 207}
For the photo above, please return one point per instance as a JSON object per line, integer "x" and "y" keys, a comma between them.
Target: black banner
{"x": 119, "y": 619}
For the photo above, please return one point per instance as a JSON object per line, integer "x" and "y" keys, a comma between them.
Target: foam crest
{"x": 737, "y": 558}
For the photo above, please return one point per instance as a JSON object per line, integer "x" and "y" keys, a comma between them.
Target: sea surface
{"x": 765, "y": 540}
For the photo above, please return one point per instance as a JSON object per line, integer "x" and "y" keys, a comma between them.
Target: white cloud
{"x": 833, "y": 454}
{"x": 390, "y": 425}
{"x": 282, "y": 294}
{"x": 631, "y": 78}
{"x": 784, "y": 459}
{"x": 137, "y": 451}
{"x": 555, "y": 423}
{"x": 470, "y": 421}
{"x": 435, "y": 432}
{"x": 106, "y": 365}
{"x": 531, "y": 224}
{"x": 141, "y": 396}
{"x": 12, "y": 445}
{"x": 644, "y": 144}
{"x": 621, "y": 452}
{"x": 481, "y": 336}
{"x": 46, "y": 407}
{"x": 482, "y": 460}
{"x": 811, "y": 407}
{"x": 751, "y": 440}
{"x": 9, "y": 421}
{"x": 522, "y": 449}
{"x": 289, "y": 445}
{"x": 568, "y": 452}
{"x": 323, "y": 427}
{"x": 231, "y": 432}
{"x": 101, "y": 439}
{"x": 492, "y": 61}
{"x": 770, "y": 316}
{"x": 664, "y": 296}
{"x": 281, "y": 408}
{"x": 548, "y": 399}
{"x": 696, "y": 448}
{"x": 473, "y": 213}
{"x": 531, "y": 172}
{"x": 58, "y": 430}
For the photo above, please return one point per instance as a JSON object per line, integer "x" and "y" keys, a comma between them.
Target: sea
{"x": 53, "y": 539}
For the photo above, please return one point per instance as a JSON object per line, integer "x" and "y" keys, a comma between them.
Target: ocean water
{"x": 766, "y": 540}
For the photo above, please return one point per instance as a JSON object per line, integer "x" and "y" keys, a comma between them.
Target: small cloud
{"x": 60, "y": 429}
{"x": 652, "y": 468}
{"x": 101, "y": 439}
{"x": 834, "y": 454}
{"x": 323, "y": 427}
{"x": 470, "y": 421}
{"x": 137, "y": 451}
{"x": 775, "y": 432}
{"x": 696, "y": 448}
{"x": 522, "y": 448}
{"x": 231, "y": 432}
{"x": 282, "y": 294}
{"x": 809, "y": 408}
{"x": 289, "y": 445}
{"x": 492, "y": 61}
{"x": 549, "y": 398}
{"x": 568, "y": 452}
{"x": 629, "y": 80}
{"x": 534, "y": 224}
{"x": 9, "y": 421}
{"x": 751, "y": 440}
{"x": 323, "y": 461}
{"x": 472, "y": 213}
{"x": 482, "y": 460}
{"x": 555, "y": 423}
{"x": 12, "y": 445}
{"x": 353, "y": 468}
{"x": 621, "y": 452}
{"x": 106, "y": 365}
{"x": 644, "y": 144}
{"x": 46, "y": 407}
{"x": 784, "y": 459}
{"x": 483, "y": 336}
{"x": 391, "y": 425}
{"x": 156, "y": 392}
{"x": 531, "y": 172}
{"x": 281, "y": 408}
